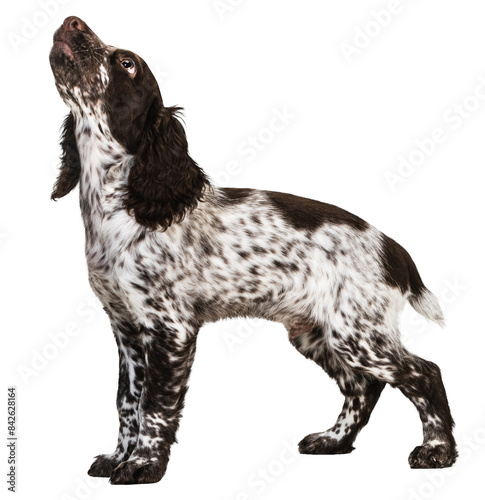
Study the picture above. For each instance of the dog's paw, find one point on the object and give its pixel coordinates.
(104, 465)
(138, 471)
(433, 457)
(321, 444)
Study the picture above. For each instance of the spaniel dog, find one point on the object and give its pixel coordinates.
(168, 252)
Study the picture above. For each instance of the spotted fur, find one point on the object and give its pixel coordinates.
(168, 252)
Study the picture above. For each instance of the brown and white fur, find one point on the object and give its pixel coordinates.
(168, 252)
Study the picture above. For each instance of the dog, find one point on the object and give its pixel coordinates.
(168, 252)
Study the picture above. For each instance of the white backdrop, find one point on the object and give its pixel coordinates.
(384, 116)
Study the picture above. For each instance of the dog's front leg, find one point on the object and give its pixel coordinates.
(130, 383)
(169, 350)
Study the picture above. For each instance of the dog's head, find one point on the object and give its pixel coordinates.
(92, 75)
(109, 87)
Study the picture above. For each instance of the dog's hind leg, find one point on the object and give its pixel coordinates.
(381, 355)
(361, 395)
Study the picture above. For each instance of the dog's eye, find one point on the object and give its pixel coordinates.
(129, 65)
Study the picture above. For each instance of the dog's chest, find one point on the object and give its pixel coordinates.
(129, 264)
(115, 243)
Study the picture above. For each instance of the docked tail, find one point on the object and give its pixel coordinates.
(425, 303)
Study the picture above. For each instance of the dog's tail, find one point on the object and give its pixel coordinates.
(402, 272)
(422, 300)
(427, 304)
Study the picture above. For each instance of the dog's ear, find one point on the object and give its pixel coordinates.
(164, 183)
(70, 169)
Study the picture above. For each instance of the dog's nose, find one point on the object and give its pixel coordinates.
(73, 23)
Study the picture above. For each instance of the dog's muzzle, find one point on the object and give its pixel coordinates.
(76, 55)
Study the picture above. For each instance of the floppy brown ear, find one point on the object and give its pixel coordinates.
(164, 182)
(70, 169)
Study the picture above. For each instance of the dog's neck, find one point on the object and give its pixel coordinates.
(102, 157)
